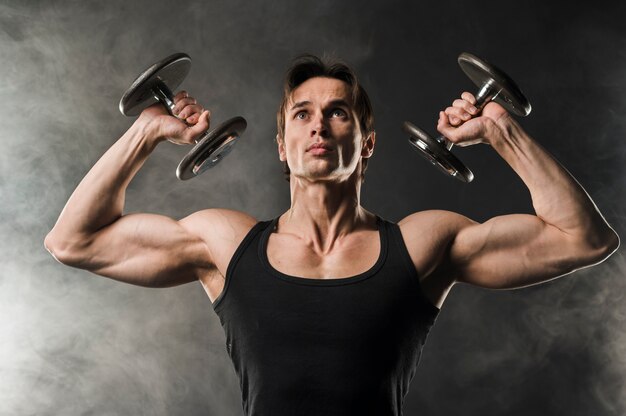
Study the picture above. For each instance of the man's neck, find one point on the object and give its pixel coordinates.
(323, 212)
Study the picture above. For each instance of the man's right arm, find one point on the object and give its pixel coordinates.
(145, 249)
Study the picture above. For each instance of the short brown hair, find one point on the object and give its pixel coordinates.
(309, 66)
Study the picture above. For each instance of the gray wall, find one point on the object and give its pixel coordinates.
(73, 343)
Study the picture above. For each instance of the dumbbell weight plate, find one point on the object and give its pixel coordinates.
(211, 148)
(171, 71)
(482, 73)
(436, 153)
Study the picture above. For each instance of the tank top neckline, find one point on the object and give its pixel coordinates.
(309, 281)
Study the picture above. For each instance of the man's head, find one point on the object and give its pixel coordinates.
(309, 87)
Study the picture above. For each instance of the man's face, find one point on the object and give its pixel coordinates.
(320, 113)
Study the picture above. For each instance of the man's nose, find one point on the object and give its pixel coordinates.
(318, 126)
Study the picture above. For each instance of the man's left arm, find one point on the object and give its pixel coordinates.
(567, 233)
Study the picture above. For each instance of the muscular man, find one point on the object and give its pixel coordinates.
(326, 307)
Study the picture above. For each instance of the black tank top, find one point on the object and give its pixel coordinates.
(301, 346)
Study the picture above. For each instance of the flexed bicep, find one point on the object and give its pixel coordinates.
(143, 249)
(513, 251)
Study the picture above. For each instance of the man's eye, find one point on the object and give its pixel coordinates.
(338, 113)
(301, 115)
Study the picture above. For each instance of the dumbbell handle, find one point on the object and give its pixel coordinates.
(164, 95)
(486, 94)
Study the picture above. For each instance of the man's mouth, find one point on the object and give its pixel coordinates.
(318, 148)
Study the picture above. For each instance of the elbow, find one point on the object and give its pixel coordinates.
(63, 250)
(611, 243)
(56, 247)
(601, 247)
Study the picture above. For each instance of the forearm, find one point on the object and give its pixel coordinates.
(558, 199)
(99, 198)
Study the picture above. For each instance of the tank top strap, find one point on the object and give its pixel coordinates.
(245, 243)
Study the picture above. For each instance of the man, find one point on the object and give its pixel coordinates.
(326, 307)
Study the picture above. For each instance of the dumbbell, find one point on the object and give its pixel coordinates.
(493, 85)
(156, 84)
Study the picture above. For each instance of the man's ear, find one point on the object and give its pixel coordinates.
(368, 145)
(281, 148)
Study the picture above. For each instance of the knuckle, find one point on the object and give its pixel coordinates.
(470, 97)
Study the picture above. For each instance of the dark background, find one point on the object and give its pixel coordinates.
(77, 344)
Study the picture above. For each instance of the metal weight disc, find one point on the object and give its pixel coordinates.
(211, 148)
(437, 154)
(171, 71)
(481, 73)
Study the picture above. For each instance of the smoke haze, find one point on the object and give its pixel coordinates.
(73, 343)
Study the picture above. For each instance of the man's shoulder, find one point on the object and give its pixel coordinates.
(222, 230)
(219, 222)
(434, 215)
(435, 221)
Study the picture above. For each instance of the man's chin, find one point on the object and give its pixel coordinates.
(321, 176)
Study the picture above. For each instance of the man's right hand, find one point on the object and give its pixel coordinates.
(190, 121)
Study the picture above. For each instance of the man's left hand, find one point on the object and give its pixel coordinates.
(463, 124)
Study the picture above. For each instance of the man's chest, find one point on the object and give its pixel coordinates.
(350, 257)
